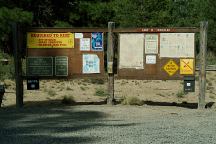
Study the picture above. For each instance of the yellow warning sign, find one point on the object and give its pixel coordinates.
(50, 40)
(171, 67)
(186, 66)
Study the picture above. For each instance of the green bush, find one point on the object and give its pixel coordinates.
(181, 94)
(132, 101)
(51, 92)
(68, 100)
(100, 92)
(211, 58)
(99, 81)
(6, 70)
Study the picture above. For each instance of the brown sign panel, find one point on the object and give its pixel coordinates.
(156, 55)
(72, 66)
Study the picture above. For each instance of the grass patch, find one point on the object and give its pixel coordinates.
(84, 84)
(209, 87)
(83, 88)
(99, 81)
(196, 78)
(51, 92)
(68, 88)
(181, 94)
(212, 96)
(211, 58)
(67, 99)
(132, 101)
(210, 84)
(159, 94)
(100, 92)
(124, 82)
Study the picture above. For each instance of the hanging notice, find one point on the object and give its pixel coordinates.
(97, 41)
(78, 35)
(177, 45)
(150, 59)
(91, 63)
(85, 44)
(151, 43)
(39, 66)
(131, 51)
(50, 40)
(61, 66)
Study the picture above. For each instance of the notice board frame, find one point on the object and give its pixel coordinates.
(154, 72)
(74, 54)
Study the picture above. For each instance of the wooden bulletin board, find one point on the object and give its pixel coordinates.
(156, 53)
(69, 56)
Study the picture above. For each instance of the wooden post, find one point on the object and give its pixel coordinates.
(18, 65)
(202, 72)
(110, 55)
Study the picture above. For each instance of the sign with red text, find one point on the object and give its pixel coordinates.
(50, 40)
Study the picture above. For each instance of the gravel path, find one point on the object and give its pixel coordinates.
(107, 125)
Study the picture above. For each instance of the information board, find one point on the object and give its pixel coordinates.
(61, 66)
(39, 66)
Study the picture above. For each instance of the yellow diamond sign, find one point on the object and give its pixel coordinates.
(171, 67)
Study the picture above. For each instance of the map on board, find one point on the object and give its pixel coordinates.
(177, 45)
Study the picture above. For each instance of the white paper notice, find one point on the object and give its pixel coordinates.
(150, 59)
(78, 35)
(85, 44)
(177, 45)
(131, 51)
(91, 63)
(188, 84)
(151, 43)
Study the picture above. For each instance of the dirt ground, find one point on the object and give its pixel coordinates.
(89, 90)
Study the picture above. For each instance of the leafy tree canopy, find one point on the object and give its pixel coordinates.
(97, 13)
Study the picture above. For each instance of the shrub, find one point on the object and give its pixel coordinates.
(180, 94)
(100, 92)
(82, 88)
(51, 92)
(68, 88)
(6, 70)
(68, 100)
(132, 101)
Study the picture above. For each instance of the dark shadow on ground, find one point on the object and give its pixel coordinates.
(183, 104)
(49, 122)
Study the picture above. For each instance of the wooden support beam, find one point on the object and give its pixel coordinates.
(202, 73)
(18, 65)
(110, 57)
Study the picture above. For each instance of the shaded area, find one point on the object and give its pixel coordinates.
(49, 122)
(183, 104)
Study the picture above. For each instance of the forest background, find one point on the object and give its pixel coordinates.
(97, 13)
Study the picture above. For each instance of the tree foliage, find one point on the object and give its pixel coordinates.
(97, 13)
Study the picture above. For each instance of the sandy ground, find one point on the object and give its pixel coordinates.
(84, 90)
